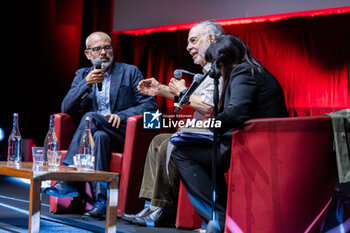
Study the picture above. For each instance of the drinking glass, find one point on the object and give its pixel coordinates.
(38, 156)
(54, 158)
(84, 162)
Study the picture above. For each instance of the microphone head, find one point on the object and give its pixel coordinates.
(220, 58)
(97, 63)
(197, 77)
(177, 74)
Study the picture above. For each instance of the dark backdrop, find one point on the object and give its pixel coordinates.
(41, 50)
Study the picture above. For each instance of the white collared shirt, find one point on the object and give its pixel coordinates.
(206, 90)
(103, 96)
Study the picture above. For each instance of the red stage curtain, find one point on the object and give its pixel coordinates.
(310, 56)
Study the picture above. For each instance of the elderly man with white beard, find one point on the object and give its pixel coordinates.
(157, 187)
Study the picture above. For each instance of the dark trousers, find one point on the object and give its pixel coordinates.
(106, 138)
(194, 164)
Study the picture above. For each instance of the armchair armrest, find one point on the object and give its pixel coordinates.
(64, 128)
(136, 145)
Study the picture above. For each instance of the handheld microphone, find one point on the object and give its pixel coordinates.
(178, 73)
(98, 65)
(197, 80)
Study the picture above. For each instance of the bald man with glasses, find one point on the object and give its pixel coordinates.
(108, 107)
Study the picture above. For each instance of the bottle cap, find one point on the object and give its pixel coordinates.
(87, 118)
(15, 114)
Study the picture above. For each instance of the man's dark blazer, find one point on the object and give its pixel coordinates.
(125, 99)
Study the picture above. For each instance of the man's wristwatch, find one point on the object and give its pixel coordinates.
(183, 92)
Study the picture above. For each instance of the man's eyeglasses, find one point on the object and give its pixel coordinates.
(98, 49)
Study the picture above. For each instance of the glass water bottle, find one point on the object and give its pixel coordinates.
(14, 150)
(87, 143)
(50, 142)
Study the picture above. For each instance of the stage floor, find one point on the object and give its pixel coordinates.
(14, 194)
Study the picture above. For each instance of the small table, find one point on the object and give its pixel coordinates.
(38, 174)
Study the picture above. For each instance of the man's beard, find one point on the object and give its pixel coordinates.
(198, 60)
(106, 65)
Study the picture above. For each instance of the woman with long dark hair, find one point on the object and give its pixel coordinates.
(249, 91)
